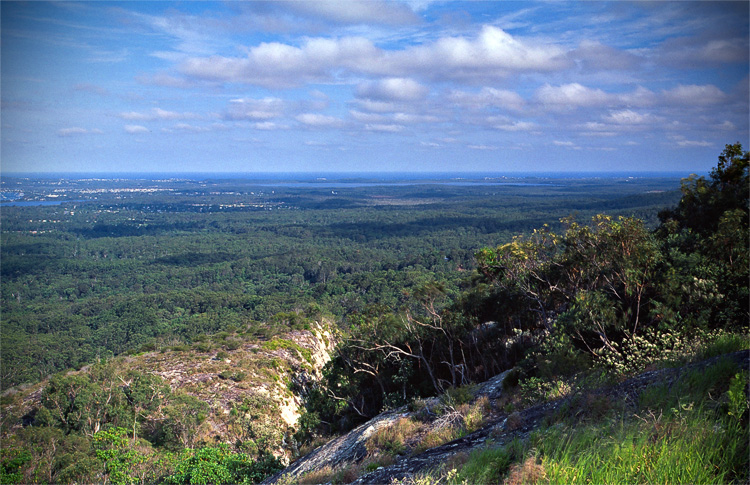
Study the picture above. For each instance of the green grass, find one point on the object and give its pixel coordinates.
(690, 446)
(490, 465)
(726, 343)
(694, 431)
(694, 386)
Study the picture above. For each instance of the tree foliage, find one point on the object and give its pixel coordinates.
(608, 291)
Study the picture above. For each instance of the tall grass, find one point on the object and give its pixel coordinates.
(489, 465)
(690, 447)
(693, 431)
(682, 434)
(725, 343)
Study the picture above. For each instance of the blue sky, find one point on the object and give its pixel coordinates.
(370, 85)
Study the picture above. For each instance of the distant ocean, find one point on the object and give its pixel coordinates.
(345, 177)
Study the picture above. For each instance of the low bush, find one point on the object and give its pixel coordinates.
(393, 437)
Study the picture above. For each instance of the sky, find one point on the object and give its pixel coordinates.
(372, 85)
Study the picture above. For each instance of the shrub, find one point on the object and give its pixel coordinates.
(536, 389)
(12, 463)
(421, 410)
(438, 436)
(217, 465)
(639, 352)
(232, 344)
(737, 396)
(456, 396)
(203, 346)
(474, 414)
(512, 378)
(526, 473)
(514, 421)
(392, 438)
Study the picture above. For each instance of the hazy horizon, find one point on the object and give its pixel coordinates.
(396, 175)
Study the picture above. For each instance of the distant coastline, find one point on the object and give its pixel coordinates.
(345, 177)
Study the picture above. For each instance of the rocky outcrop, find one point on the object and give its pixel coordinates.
(345, 449)
(499, 428)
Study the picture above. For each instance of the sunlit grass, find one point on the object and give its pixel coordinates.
(693, 431)
(688, 447)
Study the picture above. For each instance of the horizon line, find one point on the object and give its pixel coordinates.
(483, 173)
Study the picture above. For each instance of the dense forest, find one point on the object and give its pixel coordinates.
(432, 288)
(134, 263)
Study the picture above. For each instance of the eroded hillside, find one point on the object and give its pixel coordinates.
(226, 388)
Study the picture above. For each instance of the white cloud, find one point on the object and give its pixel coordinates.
(488, 97)
(482, 147)
(414, 118)
(76, 130)
(319, 101)
(135, 129)
(566, 144)
(109, 57)
(191, 128)
(156, 114)
(515, 126)
(255, 109)
(694, 95)
(641, 97)
(393, 89)
(572, 95)
(376, 106)
(392, 118)
(165, 80)
(630, 117)
(691, 51)
(594, 55)
(367, 117)
(595, 128)
(384, 128)
(491, 54)
(683, 142)
(269, 126)
(318, 120)
(277, 65)
(190, 34)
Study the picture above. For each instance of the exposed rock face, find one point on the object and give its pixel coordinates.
(350, 448)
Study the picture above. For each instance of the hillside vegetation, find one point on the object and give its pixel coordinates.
(194, 328)
(574, 310)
